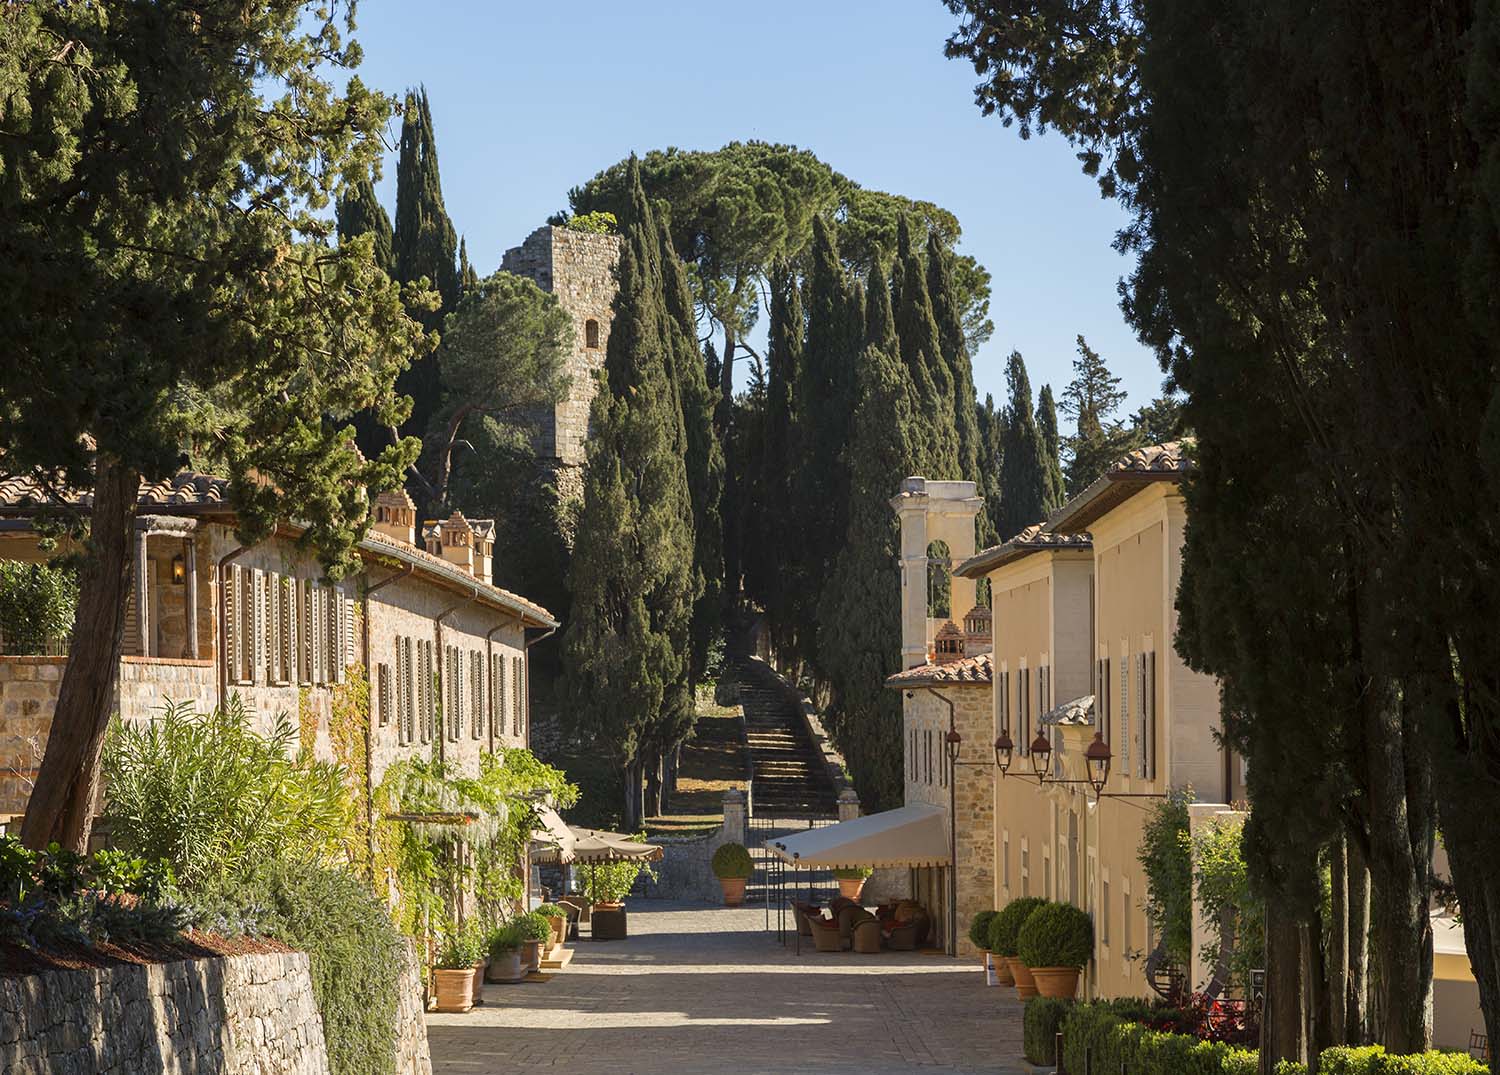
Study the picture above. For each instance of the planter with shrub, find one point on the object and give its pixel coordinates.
(852, 881)
(996, 971)
(505, 955)
(1003, 930)
(733, 866)
(1055, 942)
(557, 918)
(535, 930)
(459, 961)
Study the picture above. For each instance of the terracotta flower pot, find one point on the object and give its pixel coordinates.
(1060, 983)
(851, 887)
(531, 953)
(505, 966)
(1003, 976)
(1025, 983)
(454, 989)
(559, 931)
(734, 890)
(479, 982)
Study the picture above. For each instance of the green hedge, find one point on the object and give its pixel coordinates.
(1113, 1043)
(1373, 1060)
(1042, 1020)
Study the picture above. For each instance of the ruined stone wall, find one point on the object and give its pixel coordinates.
(579, 268)
(253, 1014)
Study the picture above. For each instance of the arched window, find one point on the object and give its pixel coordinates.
(939, 582)
(591, 334)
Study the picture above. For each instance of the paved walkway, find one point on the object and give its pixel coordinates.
(703, 989)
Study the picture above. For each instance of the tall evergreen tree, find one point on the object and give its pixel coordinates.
(859, 636)
(948, 314)
(1046, 422)
(359, 212)
(926, 368)
(823, 406)
(424, 246)
(626, 649)
(1091, 400)
(991, 425)
(468, 278)
(1027, 494)
(705, 457)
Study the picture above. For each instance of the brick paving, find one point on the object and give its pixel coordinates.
(697, 988)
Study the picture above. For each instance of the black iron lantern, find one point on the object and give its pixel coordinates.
(1004, 748)
(1098, 757)
(954, 743)
(1041, 751)
(179, 570)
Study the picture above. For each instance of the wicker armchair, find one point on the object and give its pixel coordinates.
(849, 915)
(911, 934)
(804, 911)
(867, 935)
(825, 934)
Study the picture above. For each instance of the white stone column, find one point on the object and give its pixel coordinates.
(848, 804)
(733, 829)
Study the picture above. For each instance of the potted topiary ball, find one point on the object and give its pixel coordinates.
(505, 955)
(852, 880)
(1054, 942)
(733, 866)
(1003, 930)
(996, 971)
(535, 930)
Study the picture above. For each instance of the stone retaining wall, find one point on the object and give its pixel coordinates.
(253, 1014)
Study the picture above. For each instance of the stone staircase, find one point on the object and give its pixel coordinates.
(789, 779)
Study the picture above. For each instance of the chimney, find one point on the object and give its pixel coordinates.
(979, 625)
(396, 516)
(484, 548)
(948, 644)
(456, 541)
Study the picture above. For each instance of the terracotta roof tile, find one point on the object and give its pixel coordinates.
(1033, 539)
(1155, 459)
(183, 490)
(438, 566)
(979, 669)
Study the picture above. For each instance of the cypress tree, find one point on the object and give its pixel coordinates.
(1046, 421)
(991, 423)
(704, 457)
(626, 648)
(823, 407)
(948, 314)
(424, 246)
(468, 279)
(1026, 493)
(859, 638)
(359, 212)
(922, 354)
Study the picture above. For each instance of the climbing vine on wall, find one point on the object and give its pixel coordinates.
(348, 719)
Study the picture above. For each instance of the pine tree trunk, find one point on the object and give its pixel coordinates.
(1338, 943)
(1357, 1017)
(61, 804)
(1283, 1031)
(652, 803)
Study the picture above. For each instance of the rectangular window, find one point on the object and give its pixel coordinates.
(1124, 708)
(258, 619)
(425, 699)
(1142, 718)
(476, 694)
(1151, 740)
(1103, 702)
(1025, 868)
(288, 631)
(523, 673)
(273, 628)
(319, 637)
(515, 686)
(232, 641)
(346, 638)
(333, 602)
(1104, 915)
(1005, 859)
(1023, 711)
(403, 691)
(304, 632)
(1125, 928)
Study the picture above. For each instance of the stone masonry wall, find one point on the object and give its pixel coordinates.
(251, 1014)
(685, 871)
(28, 697)
(579, 268)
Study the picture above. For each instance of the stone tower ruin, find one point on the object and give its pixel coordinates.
(579, 268)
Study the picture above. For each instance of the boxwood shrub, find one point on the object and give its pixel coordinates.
(979, 929)
(1005, 925)
(1111, 1042)
(1039, 1024)
(1374, 1060)
(1055, 935)
(732, 861)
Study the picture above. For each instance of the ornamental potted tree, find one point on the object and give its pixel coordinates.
(733, 866)
(852, 881)
(1054, 942)
(505, 955)
(535, 930)
(459, 960)
(996, 971)
(557, 918)
(1003, 930)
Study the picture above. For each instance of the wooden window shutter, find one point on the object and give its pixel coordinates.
(1125, 708)
(349, 648)
(257, 624)
(476, 694)
(1151, 714)
(231, 612)
(515, 670)
(274, 633)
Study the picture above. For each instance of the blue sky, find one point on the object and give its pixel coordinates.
(531, 99)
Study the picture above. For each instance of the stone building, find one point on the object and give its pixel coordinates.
(579, 268)
(210, 617)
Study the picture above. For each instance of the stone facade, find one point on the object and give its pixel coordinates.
(579, 268)
(972, 792)
(28, 696)
(251, 1014)
(412, 1056)
(685, 871)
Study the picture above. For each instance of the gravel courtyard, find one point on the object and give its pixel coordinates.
(704, 989)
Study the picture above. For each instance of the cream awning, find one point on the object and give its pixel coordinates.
(912, 835)
(597, 845)
(552, 837)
